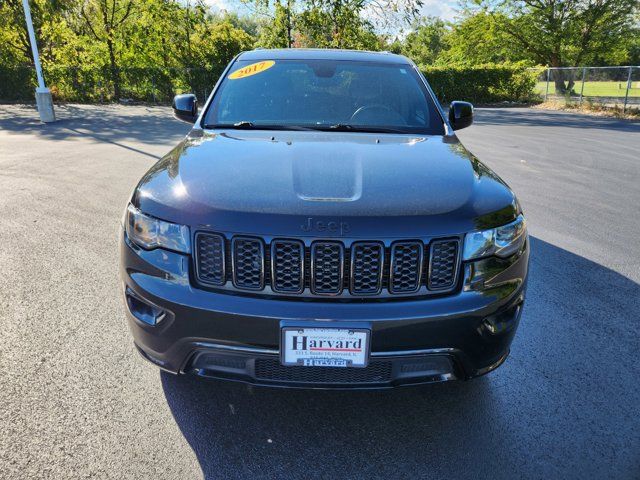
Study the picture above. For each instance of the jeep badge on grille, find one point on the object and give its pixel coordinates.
(332, 226)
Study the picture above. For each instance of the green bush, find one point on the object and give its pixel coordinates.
(17, 83)
(146, 84)
(479, 84)
(482, 83)
(95, 84)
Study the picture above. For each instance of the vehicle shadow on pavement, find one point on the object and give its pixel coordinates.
(239, 431)
(546, 412)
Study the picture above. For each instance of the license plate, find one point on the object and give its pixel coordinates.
(325, 347)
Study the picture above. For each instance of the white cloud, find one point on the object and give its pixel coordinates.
(397, 26)
(444, 9)
(217, 5)
(234, 6)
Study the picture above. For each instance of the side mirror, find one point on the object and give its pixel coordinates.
(185, 107)
(460, 115)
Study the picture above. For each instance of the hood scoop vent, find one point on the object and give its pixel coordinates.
(328, 179)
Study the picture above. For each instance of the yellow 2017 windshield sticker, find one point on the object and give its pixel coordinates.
(252, 69)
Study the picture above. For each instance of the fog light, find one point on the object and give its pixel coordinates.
(503, 322)
(142, 310)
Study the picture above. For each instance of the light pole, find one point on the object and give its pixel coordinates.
(43, 95)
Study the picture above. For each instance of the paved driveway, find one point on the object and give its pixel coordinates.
(77, 402)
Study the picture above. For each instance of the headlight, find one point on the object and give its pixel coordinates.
(501, 241)
(149, 232)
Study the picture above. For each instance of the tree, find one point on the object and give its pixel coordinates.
(215, 44)
(477, 39)
(248, 23)
(335, 25)
(48, 22)
(278, 33)
(628, 52)
(105, 20)
(332, 23)
(562, 33)
(427, 41)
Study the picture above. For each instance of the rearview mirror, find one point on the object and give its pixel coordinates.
(185, 107)
(460, 114)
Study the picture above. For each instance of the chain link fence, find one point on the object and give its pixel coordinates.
(610, 86)
(103, 85)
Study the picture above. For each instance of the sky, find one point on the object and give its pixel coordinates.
(444, 9)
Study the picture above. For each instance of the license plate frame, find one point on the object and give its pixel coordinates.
(326, 355)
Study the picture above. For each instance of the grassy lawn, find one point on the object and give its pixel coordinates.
(595, 89)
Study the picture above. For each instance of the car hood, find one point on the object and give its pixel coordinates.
(281, 182)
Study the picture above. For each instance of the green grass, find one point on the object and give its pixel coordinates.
(595, 89)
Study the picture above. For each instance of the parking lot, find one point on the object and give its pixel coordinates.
(78, 402)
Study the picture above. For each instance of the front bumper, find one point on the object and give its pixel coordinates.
(236, 337)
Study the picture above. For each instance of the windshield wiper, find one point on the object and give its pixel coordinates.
(346, 127)
(238, 125)
(338, 127)
(246, 125)
(341, 127)
(243, 124)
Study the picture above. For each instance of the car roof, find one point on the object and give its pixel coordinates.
(323, 54)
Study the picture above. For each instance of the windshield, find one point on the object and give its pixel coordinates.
(324, 95)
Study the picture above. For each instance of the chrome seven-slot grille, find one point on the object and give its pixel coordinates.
(326, 267)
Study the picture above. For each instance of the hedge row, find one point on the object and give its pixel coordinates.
(479, 84)
(96, 85)
(17, 83)
(482, 83)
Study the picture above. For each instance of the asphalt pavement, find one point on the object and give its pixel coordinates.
(76, 401)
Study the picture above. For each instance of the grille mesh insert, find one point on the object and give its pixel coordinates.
(327, 270)
(406, 263)
(271, 369)
(248, 263)
(443, 264)
(366, 268)
(287, 261)
(210, 254)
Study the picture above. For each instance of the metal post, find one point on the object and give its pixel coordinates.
(43, 95)
(289, 40)
(584, 71)
(546, 94)
(626, 96)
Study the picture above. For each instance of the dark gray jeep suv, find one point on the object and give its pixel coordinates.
(321, 226)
